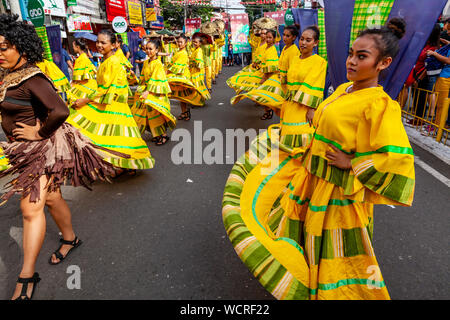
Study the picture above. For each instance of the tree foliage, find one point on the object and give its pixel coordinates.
(174, 13)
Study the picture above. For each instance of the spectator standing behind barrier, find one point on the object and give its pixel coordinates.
(442, 86)
(445, 36)
(421, 79)
(230, 55)
(124, 47)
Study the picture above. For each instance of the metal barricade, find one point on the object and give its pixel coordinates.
(419, 108)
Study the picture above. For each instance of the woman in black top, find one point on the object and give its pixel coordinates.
(42, 150)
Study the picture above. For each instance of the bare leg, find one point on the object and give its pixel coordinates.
(33, 234)
(61, 215)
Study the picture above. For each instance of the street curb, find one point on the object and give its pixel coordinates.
(437, 149)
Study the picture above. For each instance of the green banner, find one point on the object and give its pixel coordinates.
(42, 33)
(71, 3)
(36, 12)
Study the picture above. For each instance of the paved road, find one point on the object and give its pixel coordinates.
(160, 235)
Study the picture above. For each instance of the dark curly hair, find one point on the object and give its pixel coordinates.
(23, 36)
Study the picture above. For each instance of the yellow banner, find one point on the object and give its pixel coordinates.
(135, 13)
(150, 14)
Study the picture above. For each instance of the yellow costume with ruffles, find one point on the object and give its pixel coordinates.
(250, 80)
(53, 72)
(273, 92)
(153, 112)
(303, 226)
(108, 121)
(179, 79)
(197, 67)
(206, 48)
(84, 81)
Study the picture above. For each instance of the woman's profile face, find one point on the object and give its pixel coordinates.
(288, 38)
(181, 43)
(9, 56)
(197, 42)
(270, 39)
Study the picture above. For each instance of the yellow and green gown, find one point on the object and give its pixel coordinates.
(304, 227)
(220, 43)
(153, 112)
(59, 79)
(248, 81)
(273, 92)
(131, 76)
(197, 70)
(84, 81)
(179, 78)
(108, 122)
(234, 81)
(206, 48)
(255, 43)
(213, 60)
(305, 84)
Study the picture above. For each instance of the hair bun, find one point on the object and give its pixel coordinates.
(397, 26)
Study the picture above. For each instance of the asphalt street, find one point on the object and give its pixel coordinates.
(160, 235)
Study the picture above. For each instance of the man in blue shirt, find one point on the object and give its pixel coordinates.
(124, 47)
(66, 63)
(140, 58)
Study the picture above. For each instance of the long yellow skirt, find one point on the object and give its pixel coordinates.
(184, 90)
(269, 94)
(245, 81)
(298, 235)
(112, 126)
(80, 90)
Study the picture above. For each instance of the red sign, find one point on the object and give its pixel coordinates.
(115, 8)
(278, 16)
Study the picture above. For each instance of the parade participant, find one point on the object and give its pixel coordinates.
(235, 82)
(197, 66)
(206, 48)
(105, 116)
(43, 151)
(268, 65)
(50, 69)
(315, 232)
(179, 79)
(151, 107)
(274, 92)
(84, 81)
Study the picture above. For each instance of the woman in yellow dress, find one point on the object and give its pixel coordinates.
(84, 81)
(206, 48)
(303, 222)
(251, 71)
(151, 107)
(273, 92)
(179, 79)
(197, 66)
(59, 79)
(105, 117)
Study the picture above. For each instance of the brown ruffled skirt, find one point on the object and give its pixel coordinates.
(66, 158)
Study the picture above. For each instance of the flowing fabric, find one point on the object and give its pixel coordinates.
(108, 120)
(153, 112)
(180, 83)
(273, 92)
(304, 227)
(84, 81)
(249, 80)
(53, 72)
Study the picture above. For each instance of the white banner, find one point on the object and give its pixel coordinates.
(55, 8)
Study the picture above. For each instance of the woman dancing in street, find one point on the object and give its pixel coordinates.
(307, 217)
(42, 150)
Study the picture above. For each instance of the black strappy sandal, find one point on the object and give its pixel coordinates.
(25, 281)
(267, 115)
(185, 116)
(75, 244)
(162, 140)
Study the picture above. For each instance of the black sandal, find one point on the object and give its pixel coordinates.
(162, 140)
(185, 116)
(267, 115)
(75, 244)
(25, 281)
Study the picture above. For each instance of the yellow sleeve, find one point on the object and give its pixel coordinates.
(270, 60)
(83, 69)
(157, 83)
(384, 159)
(179, 63)
(310, 90)
(112, 83)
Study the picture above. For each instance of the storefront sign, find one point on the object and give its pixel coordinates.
(115, 8)
(135, 13)
(76, 22)
(36, 13)
(239, 33)
(119, 24)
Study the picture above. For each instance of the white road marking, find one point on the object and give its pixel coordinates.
(16, 233)
(432, 171)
